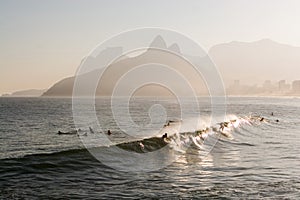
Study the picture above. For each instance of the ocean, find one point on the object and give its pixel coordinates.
(255, 155)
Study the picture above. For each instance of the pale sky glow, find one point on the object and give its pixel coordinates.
(42, 42)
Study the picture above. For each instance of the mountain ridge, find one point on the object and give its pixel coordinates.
(250, 62)
(26, 93)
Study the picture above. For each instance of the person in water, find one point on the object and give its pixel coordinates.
(141, 145)
(108, 132)
(222, 126)
(167, 124)
(165, 136)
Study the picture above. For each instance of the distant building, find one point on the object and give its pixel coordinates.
(236, 84)
(267, 85)
(296, 86)
(283, 86)
(235, 87)
(269, 88)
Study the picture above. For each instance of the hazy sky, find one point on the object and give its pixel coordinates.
(42, 42)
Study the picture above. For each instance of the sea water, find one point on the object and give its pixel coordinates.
(261, 159)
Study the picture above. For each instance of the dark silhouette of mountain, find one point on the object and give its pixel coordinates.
(249, 62)
(26, 93)
(61, 88)
(64, 87)
(116, 70)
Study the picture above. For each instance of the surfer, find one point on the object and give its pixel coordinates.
(277, 120)
(199, 132)
(108, 132)
(222, 126)
(262, 119)
(67, 133)
(165, 136)
(141, 145)
(272, 114)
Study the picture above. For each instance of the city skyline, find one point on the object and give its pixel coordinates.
(268, 87)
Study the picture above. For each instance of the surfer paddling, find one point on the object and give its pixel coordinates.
(67, 133)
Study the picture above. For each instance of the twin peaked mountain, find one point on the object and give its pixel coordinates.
(159, 42)
(114, 72)
(249, 62)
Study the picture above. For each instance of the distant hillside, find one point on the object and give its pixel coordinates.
(249, 62)
(61, 88)
(26, 93)
(116, 70)
(254, 62)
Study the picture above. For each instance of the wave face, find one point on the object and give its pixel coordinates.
(251, 158)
